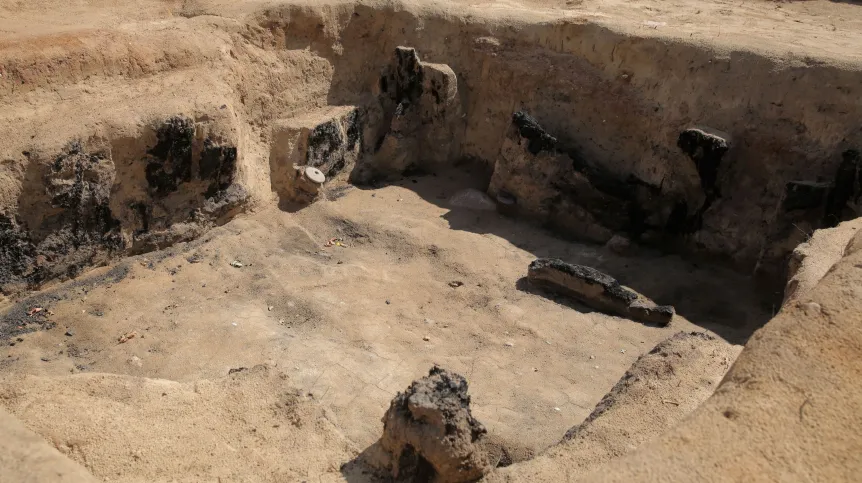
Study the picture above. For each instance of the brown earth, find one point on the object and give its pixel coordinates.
(27, 457)
(657, 392)
(173, 310)
(811, 260)
(535, 366)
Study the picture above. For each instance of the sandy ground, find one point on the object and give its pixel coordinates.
(349, 326)
(27, 457)
(816, 29)
(281, 369)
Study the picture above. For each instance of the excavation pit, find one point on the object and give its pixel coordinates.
(311, 205)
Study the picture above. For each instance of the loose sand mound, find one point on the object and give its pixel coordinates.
(655, 394)
(26, 457)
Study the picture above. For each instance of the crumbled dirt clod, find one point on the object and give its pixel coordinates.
(530, 129)
(705, 147)
(430, 434)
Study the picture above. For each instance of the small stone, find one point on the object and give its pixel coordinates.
(592, 357)
(622, 351)
(472, 199)
(429, 321)
(69, 332)
(430, 430)
(456, 283)
(426, 338)
(505, 198)
(236, 264)
(269, 308)
(557, 409)
(388, 302)
(45, 359)
(811, 309)
(509, 344)
(597, 367)
(619, 245)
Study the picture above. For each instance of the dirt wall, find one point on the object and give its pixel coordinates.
(615, 102)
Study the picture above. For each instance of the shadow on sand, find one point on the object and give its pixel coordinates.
(712, 296)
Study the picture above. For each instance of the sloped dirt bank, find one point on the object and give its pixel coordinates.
(654, 395)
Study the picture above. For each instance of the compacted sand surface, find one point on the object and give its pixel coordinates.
(408, 281)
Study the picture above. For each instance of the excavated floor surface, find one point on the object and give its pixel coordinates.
(261, 352)
(348, 324)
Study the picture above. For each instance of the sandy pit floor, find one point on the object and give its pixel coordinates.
(410, 281)
(417, 282)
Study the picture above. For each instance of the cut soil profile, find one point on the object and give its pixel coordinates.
(230, 228)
